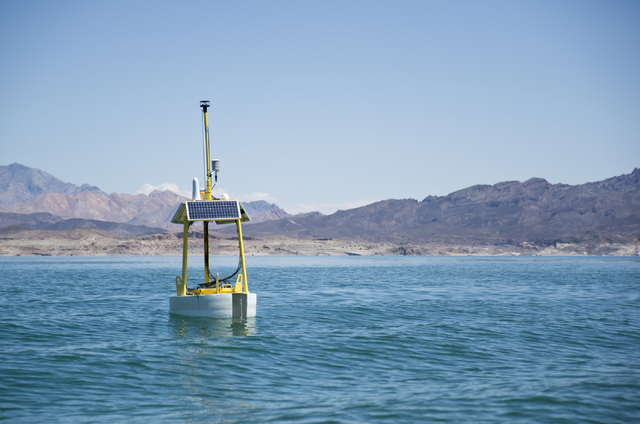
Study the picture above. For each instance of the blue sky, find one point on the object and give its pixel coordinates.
(321, 105)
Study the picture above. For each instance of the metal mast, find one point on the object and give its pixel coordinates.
(204, 104)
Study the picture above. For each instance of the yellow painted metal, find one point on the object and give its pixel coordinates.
(244, 268)
(241, 285)
(178, 284)
(226, 288)
(182, 289)
(238, 287)
(205, 225)
(206, 135)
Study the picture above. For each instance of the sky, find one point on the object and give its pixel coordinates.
(321, 105)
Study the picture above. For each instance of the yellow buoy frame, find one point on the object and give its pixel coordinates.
(245, 288)
(241, 285)
(182, 287)
(181, 283)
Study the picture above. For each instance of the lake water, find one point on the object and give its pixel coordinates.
(336, 340)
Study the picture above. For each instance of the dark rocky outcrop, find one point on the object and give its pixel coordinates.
(45, 221)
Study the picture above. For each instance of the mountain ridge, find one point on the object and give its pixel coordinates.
(41, 192)
(506, 212)
(533, 211)
(20, 184)
(49, 222)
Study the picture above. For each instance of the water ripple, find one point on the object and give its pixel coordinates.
(344, 340)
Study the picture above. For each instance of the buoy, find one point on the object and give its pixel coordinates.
(213, 297)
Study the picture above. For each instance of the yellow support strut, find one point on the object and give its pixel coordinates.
(244, 268)
(182, 287)
(204, 106)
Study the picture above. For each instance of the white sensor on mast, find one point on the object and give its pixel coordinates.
(215, 167)
(195, 190)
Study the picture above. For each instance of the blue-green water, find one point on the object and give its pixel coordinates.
(344, 340)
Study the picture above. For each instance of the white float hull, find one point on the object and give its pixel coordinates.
(224, 305)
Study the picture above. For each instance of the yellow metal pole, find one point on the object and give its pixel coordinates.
(182, 290)
(245, 286)
(205, 224)
(205, 104)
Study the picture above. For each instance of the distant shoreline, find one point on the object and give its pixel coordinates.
(95, 242)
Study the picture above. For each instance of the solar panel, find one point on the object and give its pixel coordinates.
(213, 209)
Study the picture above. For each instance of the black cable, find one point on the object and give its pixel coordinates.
(226, 279)
(212, 280)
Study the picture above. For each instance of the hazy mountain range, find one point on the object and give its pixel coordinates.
(533, 211)
(34, 198)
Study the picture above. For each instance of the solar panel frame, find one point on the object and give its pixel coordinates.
(213, 210)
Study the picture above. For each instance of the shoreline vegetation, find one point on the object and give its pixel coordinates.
(23, 241)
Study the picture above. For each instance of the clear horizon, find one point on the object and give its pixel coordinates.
(321, 105)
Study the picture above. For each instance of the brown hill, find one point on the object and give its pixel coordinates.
(25, 190)
(154, 210)
(21, 184)
(30, 191)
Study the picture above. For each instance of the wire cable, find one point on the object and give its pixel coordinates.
(225, 280)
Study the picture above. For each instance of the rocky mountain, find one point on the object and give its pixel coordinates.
(30, 191)
(21, 184)
(154, 210)
(533, 211)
